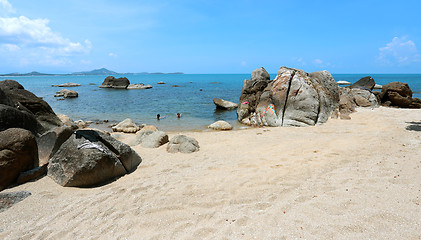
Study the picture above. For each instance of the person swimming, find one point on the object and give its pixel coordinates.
(158, 116)
(178, 115)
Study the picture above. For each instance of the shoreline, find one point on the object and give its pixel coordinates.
(344, 179)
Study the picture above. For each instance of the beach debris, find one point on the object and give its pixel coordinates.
(150, 139)
(66, 93)
(220, 125)
(126, 126)
(183, 144)
(398, 94)
(112, 82)
(7, 200)
(69, 84)
(224, 105)
(77, 163)
(18, 153)
(293, 98)
(139, 86)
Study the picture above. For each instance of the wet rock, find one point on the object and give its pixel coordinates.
(112, 82)
(224, 105)
(66, 93)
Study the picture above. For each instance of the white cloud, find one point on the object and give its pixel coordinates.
(31, 41)
(112, 54)
(4, 4)
(11, 47)
(400, 51)
(25, 32)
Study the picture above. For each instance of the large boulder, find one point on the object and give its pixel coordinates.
(50, 142)
(183, 144)
(112, 82)
(293, 98)
(89, 158)
(223, 104)
(27, 101)
(12, 117)
(127, 126)
(364, 83)
(398, 94)
(66, 93)
(18, 153)
(150, 139)
(220, 125)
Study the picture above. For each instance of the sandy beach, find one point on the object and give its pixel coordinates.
(345, 179)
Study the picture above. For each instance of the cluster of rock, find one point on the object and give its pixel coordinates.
(66, 93)
(398, 94)
(35, 141)
(122, 83)
(293, 98)
(149, 136)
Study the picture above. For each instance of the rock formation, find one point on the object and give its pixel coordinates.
(293, 98)
(183, 144)
(18, 153)
(224, 105)
(112, 82)
(220, 125)
(26, 101)
(127, 126)
(91, 157)
(66, 93)
(398, 94)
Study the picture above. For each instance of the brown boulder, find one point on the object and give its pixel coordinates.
(112, 82)
(398, 94)
(18, 153)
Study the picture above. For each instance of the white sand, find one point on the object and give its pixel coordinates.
(355, 179)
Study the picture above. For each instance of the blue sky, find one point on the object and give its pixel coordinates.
(201, 36)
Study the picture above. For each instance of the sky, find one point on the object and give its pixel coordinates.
(204, 36)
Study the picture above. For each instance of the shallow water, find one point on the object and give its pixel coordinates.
(192, 98)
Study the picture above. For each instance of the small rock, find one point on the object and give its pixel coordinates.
(67, 85)
(127, 126)
(183, 144)
(220, 125)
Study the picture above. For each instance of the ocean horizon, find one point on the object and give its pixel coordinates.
(189, 94)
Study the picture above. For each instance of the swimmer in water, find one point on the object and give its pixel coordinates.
(178, 115)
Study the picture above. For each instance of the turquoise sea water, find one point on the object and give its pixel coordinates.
(193, 97)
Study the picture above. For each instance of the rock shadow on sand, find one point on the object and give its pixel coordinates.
(415, 126)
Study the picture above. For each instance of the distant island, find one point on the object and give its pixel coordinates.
(101, 71)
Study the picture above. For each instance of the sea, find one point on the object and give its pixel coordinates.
(191, 95)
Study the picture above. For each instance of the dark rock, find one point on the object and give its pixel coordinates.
(32, 174)
(294, 98)
(398, 94)
(89, 158)
(18, 153)
(27, 101)
(223, 104)
(7, 200)
(183, 144)
(11, 117)
(112, 82)
(364, 83)
(50, 142)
